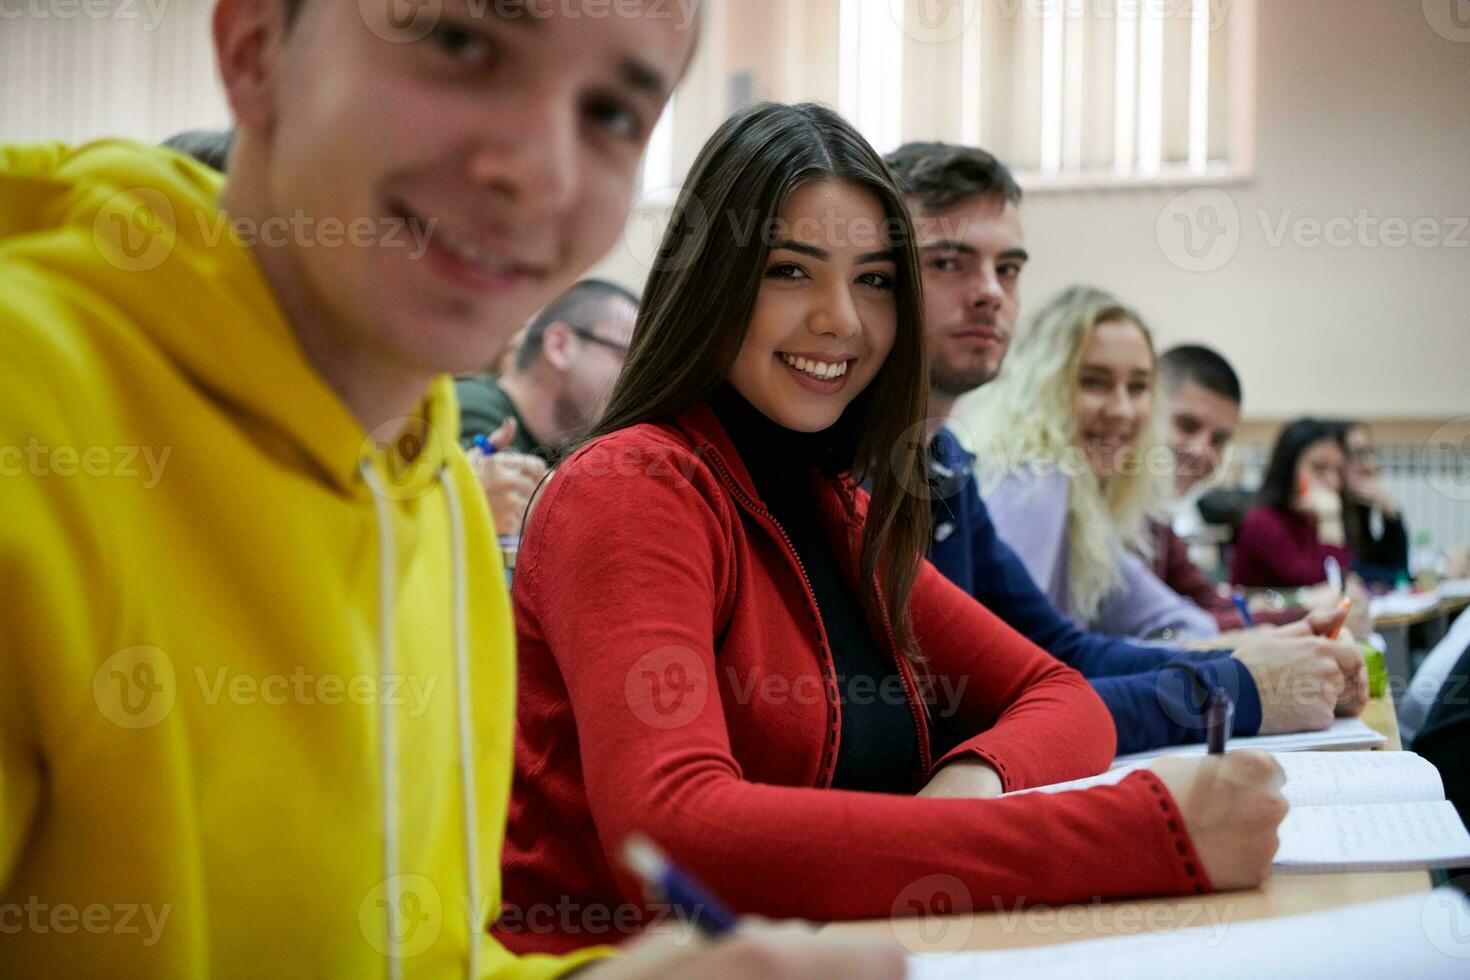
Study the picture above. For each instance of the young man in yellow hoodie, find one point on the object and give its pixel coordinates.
(256, 659)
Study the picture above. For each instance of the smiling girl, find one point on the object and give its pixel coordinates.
(1074, 465)
(727, 646)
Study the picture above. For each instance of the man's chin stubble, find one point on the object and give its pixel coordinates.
(959, 384)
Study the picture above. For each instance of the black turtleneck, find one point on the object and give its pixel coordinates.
(879, 749)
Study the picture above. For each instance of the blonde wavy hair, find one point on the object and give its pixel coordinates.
(1026, 421)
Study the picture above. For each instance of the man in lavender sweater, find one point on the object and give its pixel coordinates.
(966, 210)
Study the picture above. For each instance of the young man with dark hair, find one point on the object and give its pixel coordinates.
(966, 212)
(257, 667)
(1203, 397)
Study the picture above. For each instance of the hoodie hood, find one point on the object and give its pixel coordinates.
(153, 215)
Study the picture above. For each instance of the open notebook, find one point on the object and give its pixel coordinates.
(1425, 936)
(1345, 733)
(1351, 811)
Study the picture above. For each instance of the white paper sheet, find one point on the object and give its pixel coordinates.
(1345, 733)
(1425, 936)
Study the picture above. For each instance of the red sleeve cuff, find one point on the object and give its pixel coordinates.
(1163, 808)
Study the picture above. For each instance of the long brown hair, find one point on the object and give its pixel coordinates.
(701, 294)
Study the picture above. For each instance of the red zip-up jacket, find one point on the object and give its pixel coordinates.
(675, 680)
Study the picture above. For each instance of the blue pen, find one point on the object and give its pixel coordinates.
(485, 446)
(666, 882)
(1243, 607)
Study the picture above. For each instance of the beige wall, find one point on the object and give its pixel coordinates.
(1362, 107)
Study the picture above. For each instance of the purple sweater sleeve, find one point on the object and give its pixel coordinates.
(1146, 607)
(1029, 511)
(1030, 514)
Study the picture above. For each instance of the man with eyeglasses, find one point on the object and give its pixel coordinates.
(562, 375)
(556, 386)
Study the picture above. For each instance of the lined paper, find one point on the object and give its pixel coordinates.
(1372, 837)
(1331, 778)
(1317, 778)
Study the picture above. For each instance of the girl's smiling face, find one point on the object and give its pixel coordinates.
(826, 314)
(1114, 394)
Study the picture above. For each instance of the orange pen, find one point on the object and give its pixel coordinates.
(1334, 625)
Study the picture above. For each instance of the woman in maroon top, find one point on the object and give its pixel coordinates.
(727, 646)
(1297, 525)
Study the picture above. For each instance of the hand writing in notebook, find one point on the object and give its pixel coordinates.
(1232, 806)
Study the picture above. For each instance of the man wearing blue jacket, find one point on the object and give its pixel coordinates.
(965, 205)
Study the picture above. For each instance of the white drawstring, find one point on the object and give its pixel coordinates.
(388, 732)
(389, 736)
(466, 724)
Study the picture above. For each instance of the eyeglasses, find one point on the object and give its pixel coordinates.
(588, 335)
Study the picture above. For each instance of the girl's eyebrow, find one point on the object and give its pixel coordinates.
(884, 255)
(802, 248)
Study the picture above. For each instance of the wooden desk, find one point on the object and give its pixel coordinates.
(1010, 928)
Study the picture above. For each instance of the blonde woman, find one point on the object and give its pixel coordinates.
(1073, 465)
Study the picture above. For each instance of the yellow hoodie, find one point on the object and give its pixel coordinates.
(256, 671)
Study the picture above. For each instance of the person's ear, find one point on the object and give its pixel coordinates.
(557, 345)
(248, 35)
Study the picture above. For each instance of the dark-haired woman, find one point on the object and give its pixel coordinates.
(728, 647)
(1297, 523)
(1374, 525)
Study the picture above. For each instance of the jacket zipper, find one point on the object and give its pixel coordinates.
(828, 765)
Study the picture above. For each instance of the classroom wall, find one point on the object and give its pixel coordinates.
(74, 71)
(1362, 107)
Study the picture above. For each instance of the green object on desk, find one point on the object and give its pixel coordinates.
(1377, 671)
